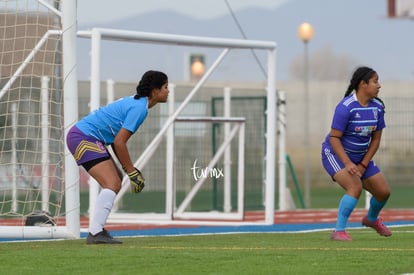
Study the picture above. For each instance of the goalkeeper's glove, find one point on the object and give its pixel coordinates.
(136, 180)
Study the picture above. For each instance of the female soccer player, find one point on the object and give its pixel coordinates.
(349, 148)
(113, 125)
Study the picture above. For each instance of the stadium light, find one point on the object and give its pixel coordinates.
(305, 33)
(197, 66)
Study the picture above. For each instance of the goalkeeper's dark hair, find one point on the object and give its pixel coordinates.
(361, 74)
(149, 81)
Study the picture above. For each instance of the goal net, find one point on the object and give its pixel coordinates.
(32, 152)
(39, 187)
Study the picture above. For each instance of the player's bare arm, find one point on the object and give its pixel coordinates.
(121, 150)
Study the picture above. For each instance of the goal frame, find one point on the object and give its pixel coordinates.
(96, 35)
(68, 33)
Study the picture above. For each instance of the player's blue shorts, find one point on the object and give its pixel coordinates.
(333, 164)
(85, 149)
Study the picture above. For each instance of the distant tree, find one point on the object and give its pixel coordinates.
(324, 65)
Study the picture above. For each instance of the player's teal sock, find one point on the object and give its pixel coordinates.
(346, 206)
(374, 209)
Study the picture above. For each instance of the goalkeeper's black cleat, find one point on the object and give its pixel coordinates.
(102, 237)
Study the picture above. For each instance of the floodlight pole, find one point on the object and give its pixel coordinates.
(305, 33)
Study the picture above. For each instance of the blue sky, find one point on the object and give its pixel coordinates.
(104, 11)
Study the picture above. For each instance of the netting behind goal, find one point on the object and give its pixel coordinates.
(31, 119)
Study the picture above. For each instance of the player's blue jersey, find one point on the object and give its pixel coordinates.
(105, 122)
(357, 123)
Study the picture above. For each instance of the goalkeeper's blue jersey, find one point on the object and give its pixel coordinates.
(105, 122)
(357, 123)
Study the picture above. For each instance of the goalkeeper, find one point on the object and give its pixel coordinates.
(113, 125)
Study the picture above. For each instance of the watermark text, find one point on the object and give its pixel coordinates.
(199, 172)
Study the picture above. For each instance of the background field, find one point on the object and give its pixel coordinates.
(266, 253)
(322, 198)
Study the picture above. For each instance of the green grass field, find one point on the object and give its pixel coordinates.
(261, 253)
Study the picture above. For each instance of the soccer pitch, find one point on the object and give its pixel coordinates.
(249, 253)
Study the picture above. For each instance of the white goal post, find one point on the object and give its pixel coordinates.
(96, 35)
(39, 96)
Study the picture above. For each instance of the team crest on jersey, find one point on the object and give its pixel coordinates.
(375, 113)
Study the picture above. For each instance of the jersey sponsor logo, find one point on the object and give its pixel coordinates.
(365, 130)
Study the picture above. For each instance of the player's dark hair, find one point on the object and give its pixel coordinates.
(360, 74)
(149, 81)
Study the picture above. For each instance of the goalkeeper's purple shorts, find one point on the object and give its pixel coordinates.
(333, 164)
(85, 149)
